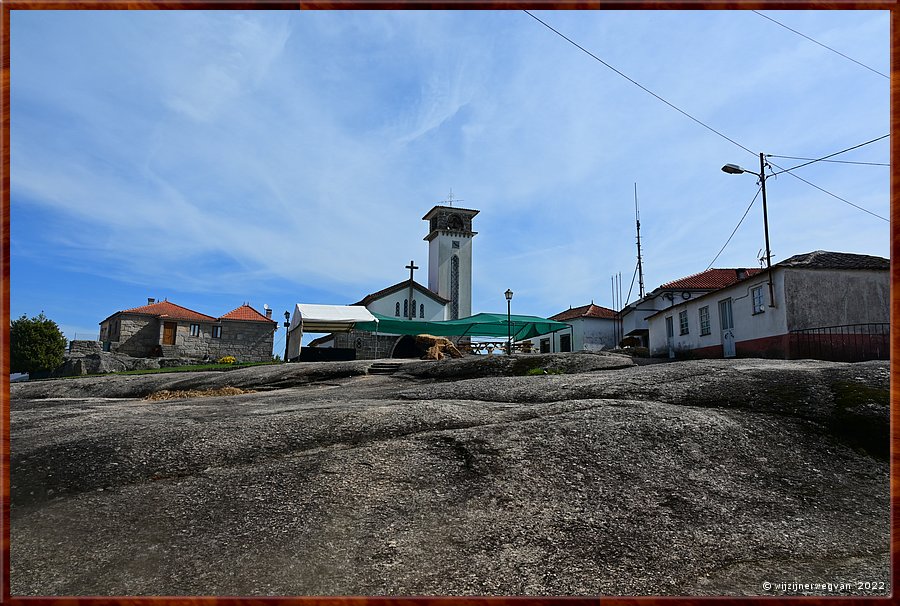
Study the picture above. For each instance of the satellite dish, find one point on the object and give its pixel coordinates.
(265, 306)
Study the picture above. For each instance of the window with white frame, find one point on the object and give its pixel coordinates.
(683, 322)
(195, 330)
(217, 332)
(757, 295)
(704, 320)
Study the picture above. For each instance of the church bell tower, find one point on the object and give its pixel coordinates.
(450, 257)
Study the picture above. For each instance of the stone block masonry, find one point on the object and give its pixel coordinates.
(85, 347)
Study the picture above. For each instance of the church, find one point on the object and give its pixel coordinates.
(447, 297)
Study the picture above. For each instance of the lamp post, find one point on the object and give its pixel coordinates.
(734, 169)
(509, 295)
(287, 323)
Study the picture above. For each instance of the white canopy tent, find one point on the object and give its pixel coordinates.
(323, 318)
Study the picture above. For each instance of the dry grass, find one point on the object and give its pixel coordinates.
(165, 394)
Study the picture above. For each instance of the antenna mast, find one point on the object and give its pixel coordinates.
(637, 219)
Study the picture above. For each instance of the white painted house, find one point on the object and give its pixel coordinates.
(635, 327)
(592, 329)
(823, 304)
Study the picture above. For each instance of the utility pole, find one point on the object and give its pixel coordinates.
(637, 219)
(762, 178)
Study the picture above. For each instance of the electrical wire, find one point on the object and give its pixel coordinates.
(641, 86)
(822, 45)
(735, 228)
(628, 298)
(823, 160)
(829, 155)
(833, 195)
(681, 111)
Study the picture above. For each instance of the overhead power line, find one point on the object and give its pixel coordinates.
(681, 111)
(735, 228)
(822, 160)
(828, 156)
(822, 45)
(865, 210)
(639, 85)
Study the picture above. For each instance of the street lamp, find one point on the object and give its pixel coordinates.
(287, 323)
(509, 295)
(734, 169)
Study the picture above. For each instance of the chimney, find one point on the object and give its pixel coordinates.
(269, 313)
(741, 274)
(150, 300)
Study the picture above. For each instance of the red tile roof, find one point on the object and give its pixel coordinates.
(711, 279)
(170, 310)
(247, 314)
(585, 311)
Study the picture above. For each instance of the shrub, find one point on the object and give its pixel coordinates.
(35, 344)
(227, 360)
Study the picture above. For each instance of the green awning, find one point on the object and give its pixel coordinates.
(479, 325)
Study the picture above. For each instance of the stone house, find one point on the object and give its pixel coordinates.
(821, 305)
(165, 329)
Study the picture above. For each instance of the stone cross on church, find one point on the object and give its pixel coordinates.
(411, 267)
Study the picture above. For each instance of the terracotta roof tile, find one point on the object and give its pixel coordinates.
(711, 279)
(246, 314)
(169, 310)
(585, 311)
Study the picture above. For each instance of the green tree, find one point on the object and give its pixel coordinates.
(35, 344)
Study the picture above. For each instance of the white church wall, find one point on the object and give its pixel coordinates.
(387, 306)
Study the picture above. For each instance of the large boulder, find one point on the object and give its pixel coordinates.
(101, 363)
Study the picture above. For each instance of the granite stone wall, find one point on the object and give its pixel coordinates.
(85, 347)
(365, 344)
(246, 341)
(138, 336)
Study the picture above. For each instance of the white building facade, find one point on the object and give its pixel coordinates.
(592, 329)
(826, 305)
(635, 327)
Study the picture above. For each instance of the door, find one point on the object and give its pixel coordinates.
(565, 343)
(169, 333)
(670, 336)
(726, 322)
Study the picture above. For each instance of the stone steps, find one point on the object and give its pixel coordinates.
(384, 368)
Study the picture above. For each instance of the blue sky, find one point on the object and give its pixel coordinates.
(216, 158)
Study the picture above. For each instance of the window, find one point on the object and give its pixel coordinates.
(757, 295)
(545, 345)
(397, 309)
(421, 310)
(565, 343)
(414, 308)
(683, 322)
(405, 308)
(455, 244)
(195, 330)
(217, 332)
(704, 320)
